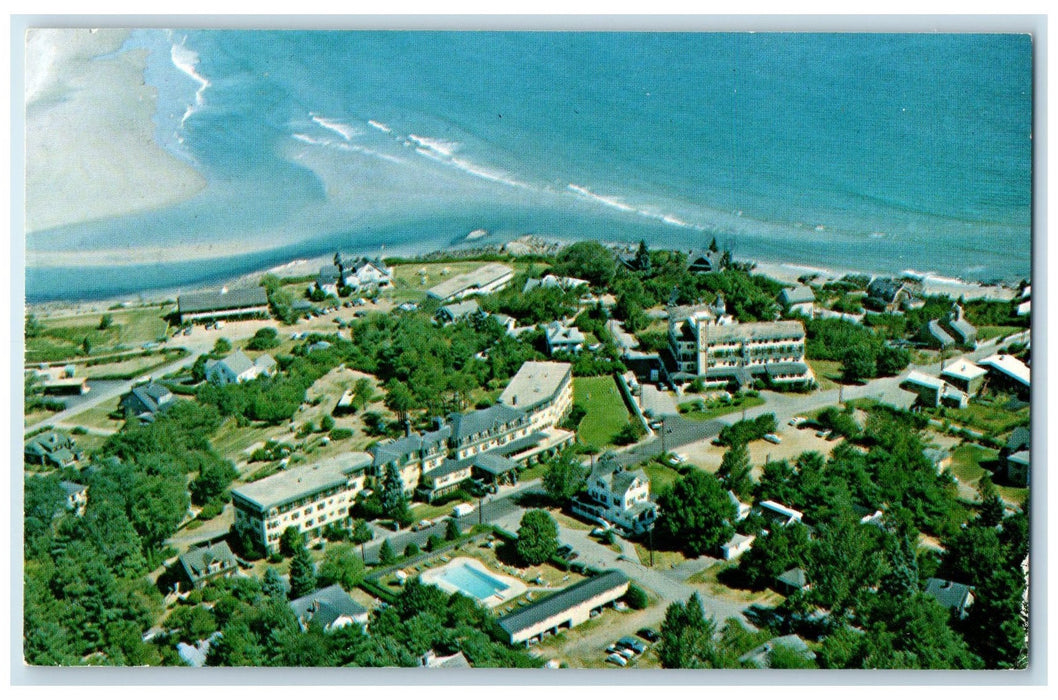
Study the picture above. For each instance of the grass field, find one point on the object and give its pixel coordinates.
(99, 417)
(986, 417)
(61, 338)
(989, 332)
(606, 411)
(827, 372)
(966, 463)
(710, 413)
(661, 477)
(411, 280)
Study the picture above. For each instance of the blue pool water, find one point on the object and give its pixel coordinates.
(474, 583)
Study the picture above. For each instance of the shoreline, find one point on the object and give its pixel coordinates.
(784, 272)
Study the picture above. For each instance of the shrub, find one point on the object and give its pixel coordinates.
(636, 597)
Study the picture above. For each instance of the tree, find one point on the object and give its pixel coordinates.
(995, 627)
(361, 532)
(362, 392)
(687, 637)
(537, 537)
(341, 565)
(636, 597)
(394, 502)
(302, 573)
(264, 339)
(643, 258)
(735, 469)
(105, 322)
(433, 542)
(222, 346)
(412, 550)
(34, 328)
(214, 477)
(273, 585)
(326, 424)
(86, 346)
(892, 361)
(587, 260)
(291, 541)
(858, 363)
(564, 477)
(452, 529)
(697, 513)
(399, 399)
(386, 556)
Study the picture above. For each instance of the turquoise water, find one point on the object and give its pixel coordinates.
(474, 583)
(873, 152)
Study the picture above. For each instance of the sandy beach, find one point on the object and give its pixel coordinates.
(90, 146)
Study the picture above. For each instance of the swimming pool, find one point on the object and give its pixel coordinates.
(471, 578)
(476, 584)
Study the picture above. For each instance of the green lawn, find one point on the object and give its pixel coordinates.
(966, 464)
(722, 410)
(989, 332)
(827, 372)
(61, 338)
(986, 416)
(661, 477)
(606, 411)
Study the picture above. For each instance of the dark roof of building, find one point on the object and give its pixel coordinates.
(49, 442)
(777, 368)
(220, 301)
(71, 488)
(795, 578)
(703, 259)
(196, 562)
(884, 289)
(329, 274)
(801, 294)
(1020, 438)
(326, 605)
(494, 464)
(153, 397)
(461, 309)
(616, 478)
(485, 420)
(563, 600)
(449, 466)
(414, 444)
(948, 593)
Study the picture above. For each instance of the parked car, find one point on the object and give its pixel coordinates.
(825, 434)
(617, 659)
(676, 458)
(601, 531)
(798, 421)
(650, 634)
(773, 438)
(634, 644)
(626, 653)
(422, 525)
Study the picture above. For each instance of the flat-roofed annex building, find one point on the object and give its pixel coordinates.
(249, 302)
(484, 280)
(544, 390)
(564, 610)
(308, 497)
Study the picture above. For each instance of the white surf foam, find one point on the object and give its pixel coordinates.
(621, 205)
(442, 148)
(488, 174)
(186, 61)
(342, 129)
(380, 126)
(612, 202)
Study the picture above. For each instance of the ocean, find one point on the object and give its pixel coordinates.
(851, 151)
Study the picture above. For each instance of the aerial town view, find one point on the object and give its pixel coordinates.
(533, 351)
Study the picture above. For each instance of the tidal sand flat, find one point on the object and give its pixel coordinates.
(90, 147)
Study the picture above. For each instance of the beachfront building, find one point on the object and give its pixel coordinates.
(544, 390)
(620, 497)
(888, 295)
(331, 608)
(147, 400)
(934, 335)
(564, 610)
(799, 300)
(778, 514)
(553, 282)
(1016, 456)
(704, 261)
(364, 274)
(959, 328)
(951, 595)
(484, 280)
(934, 391)
(227, 304)
(1006, 372)
(237, 368)
(563, 338)
(411, 455)
(714, 347)
(52, 449)
(307, 498)
(454, 313)
(965, 376)
(737, 546)
(200, 565)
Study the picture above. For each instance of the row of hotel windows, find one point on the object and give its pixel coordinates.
(313, 498)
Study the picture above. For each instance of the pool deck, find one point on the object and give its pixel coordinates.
(515, 588)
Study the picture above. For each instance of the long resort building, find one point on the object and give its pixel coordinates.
(308, 498)
(249, 302)
(714, 347)
(564, 610)
(484, 280)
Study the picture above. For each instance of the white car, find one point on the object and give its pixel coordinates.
(676, 458)
(773, 438)
(617, 659)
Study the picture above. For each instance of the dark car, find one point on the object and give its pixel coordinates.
(566, 553)
(633, 644)
(649, 634)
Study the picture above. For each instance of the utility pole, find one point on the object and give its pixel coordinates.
(481, 505)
